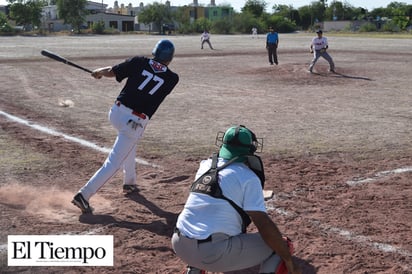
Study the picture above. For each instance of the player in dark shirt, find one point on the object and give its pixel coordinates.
(149, 81)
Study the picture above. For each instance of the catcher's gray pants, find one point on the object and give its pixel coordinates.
(224, 253)
(324, 54)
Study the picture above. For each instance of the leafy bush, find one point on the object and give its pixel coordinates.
(244, 22)
(282, 24)
(368, 27)
(202, 24)
(4, 24)
(6, 28)
(390, 26)
(223, 25)
(98, 28)
(186, 28)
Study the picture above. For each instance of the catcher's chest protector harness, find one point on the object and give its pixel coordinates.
(208, 184)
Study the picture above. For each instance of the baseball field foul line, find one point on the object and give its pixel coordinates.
(343, 233)
(67, 137)
(379, 175)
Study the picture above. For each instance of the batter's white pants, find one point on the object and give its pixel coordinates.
(123, 152)
(224, 253)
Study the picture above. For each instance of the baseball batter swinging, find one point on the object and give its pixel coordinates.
(149, 81)
(318, 47)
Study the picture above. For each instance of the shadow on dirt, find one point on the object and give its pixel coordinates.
(157, 227)
(138, 198)
(341, 75)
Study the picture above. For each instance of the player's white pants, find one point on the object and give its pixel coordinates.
(317, 54)
(123, 152)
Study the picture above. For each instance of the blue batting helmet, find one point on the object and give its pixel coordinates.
(163, 51)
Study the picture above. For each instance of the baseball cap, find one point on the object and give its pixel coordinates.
(319, 31)
(237, 141)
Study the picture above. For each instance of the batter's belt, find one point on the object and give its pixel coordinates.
(138, 114)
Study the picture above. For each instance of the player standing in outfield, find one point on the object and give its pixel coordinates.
(272, 42)
(318, 47)
(254, 32)
(149, 81)
(226, 196)
(205, 38)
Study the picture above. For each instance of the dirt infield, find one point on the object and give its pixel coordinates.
(337, 147)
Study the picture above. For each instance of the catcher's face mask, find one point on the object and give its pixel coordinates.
(241, 142)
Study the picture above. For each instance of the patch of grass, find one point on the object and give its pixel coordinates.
(19, 158)
(389, 35)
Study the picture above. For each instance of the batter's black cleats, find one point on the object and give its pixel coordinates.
(80, 202)
(130, 189)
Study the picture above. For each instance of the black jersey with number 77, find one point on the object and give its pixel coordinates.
(148, 83)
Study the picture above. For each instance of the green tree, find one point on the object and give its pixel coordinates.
(223, 25)
(157, 14)
(4, 24)
(281, 24)
(288, 12)
(282, 10)
(379, 12)
(317, 11)
(202, 24)
(306, 17)
(400, 19)
(312, 14)
(255, 7)
(98, 27)
(182, 18)
(400, 14)
(359, 14)
(73, 12)
(343, 11)
(244, 22)
(27, 13)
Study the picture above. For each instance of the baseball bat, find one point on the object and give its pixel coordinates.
(59, 58)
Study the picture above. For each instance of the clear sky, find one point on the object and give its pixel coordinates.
(238, 4)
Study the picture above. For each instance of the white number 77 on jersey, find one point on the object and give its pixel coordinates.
(151, 76)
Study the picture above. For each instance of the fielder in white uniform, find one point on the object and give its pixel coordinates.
(254, 32)
(318, 47)
(209, 234)
(205, 38)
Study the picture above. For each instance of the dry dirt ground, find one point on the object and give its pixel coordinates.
(337, 147)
